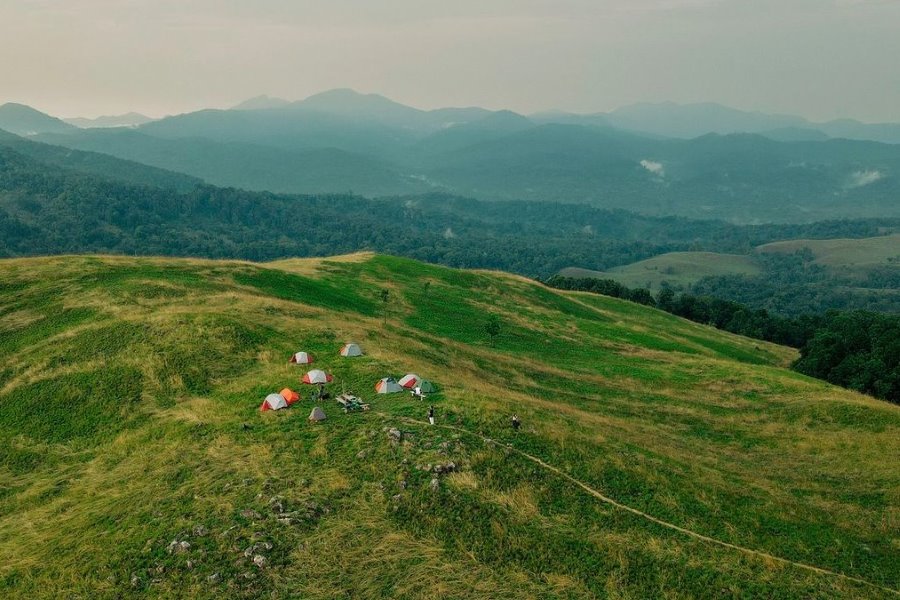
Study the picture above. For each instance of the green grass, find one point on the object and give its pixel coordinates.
(845, 253)
(678, 269)
(129, 394)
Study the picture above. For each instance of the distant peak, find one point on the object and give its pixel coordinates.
(261, 102)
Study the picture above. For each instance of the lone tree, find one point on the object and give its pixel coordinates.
(493, 327)
(385, 296)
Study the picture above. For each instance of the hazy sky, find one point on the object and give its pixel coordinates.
(818, 58)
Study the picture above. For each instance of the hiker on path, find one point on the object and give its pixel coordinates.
(516, 423)
(431, 415)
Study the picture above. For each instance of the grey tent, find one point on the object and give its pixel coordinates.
(317, 414)
(388, 385)
(350, 349)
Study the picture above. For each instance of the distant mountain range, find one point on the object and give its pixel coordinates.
(131, 119)
(699, 161)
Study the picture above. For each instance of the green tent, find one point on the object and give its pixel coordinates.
(426, 387)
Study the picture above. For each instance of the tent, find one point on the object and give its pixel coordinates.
(289, 395)
(410, 380)
(301, 358)
(273, 402)
(317, 376)
(388, 385)
(317, 415)
(351, 350)
(426, 387)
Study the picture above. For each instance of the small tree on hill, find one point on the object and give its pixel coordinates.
(493, 327)
(385, 296)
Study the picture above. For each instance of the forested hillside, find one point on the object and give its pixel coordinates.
(46, 209)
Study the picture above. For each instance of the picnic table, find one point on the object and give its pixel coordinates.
(351, 403)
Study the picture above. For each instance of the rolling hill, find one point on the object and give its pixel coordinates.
(856, 254)
(674, 268)
(657, 458)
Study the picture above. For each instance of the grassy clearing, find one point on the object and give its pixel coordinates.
(129, 391)
(679, 269)
(855, 253)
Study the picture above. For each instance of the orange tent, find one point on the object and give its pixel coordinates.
(290, 396)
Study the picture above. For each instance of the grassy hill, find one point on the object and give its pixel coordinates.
(845, 253)
(675, 268)
(657, 458)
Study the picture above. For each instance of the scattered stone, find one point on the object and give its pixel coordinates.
(258, 535)
(135, 580)
(176, 547)
(362, 454)
(160, 569)
(395, 435)
(251, 514)
(200, 531)
(214, 578)
(396, 497)
(248, 575)
(259, 560)
(402, 484)
(189, 564)
(435, 484)
(447, 468)
(276, 503)
(286, 520)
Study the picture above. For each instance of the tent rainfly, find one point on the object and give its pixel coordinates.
(301, 358)
(410, 380)
(317, 376)
(317, 415)
(351, 350)
(426, 387)
(388, 385)
(273, 402)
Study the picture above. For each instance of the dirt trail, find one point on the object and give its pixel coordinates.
(699, 536)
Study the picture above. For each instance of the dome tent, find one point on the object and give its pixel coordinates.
(317, 376)
(426, 387)
(351, 349)
(410, 380)
(273, 402)
(317, 415)
(290, 396)
(301, 358)
(388, 385)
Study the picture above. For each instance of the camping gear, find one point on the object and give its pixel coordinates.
(388, 385)
(273, 402)
(410, 380)
(351, 403)
(301, 358)
(317, 415)
(426, 387)
(290, 396)
(317, 376)
(351, 349)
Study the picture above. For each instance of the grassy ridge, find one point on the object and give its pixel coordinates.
(675, 268)
(128, 417)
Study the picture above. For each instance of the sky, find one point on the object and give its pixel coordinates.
(822, 59)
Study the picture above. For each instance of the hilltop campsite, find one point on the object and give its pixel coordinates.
(656, 457)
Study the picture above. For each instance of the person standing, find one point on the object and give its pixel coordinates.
(431, 415)
(516, 423)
